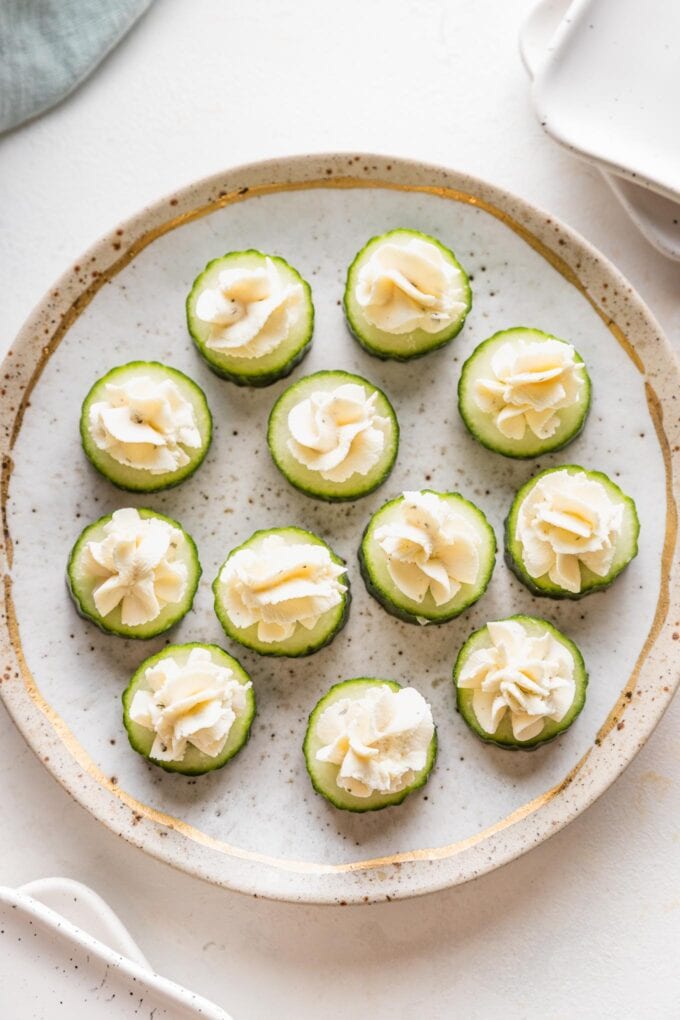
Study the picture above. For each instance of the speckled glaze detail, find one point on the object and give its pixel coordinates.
(431, 848)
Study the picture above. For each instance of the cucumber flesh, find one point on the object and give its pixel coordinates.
(309, 481)
(138, 479)
(404, 346)
(303, 641)
(374, 565)
(81, 583)
(503, 736)
(324, 774)
(626, 545)
(481, 424)
(276, 364)
(194, 762)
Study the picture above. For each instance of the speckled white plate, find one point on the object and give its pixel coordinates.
(257, 826)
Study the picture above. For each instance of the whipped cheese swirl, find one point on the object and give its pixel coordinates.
(530, 383)
(136, 566)
(279, 586)
(407, 285)
(564, 521)
(144, 423)
(251, 310)
(379, 740)
(195, 703)
(530, 677)
(429, 547)
(338, 432)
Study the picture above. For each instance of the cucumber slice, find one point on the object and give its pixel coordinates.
(402, 346)
(194, 762)
(626, 545)
(310, 481)
(266, 369)
(302, 641)
(503, 735)
(82, 583)
(374, 565)
(324, 774)
(482, 425)
(139, 479)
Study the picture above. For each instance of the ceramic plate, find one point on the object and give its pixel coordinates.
(257, 826)
(656, 216)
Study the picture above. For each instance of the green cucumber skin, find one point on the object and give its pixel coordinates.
(359, 806)
(328, 497)
(311, 649)
(129, 632)
(403, 614)
(145, 487)
(176, 767)
(538, 740)
(257, 380)
(437, 344)
(588, 393)
(553, 592)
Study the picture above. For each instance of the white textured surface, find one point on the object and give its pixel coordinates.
(582, 925)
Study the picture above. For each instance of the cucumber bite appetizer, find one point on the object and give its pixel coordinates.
(251, 317)
(524, 393)
(334, 436)
(406, 295)
(369, 743)
(134, 573)
(145, 426)
(283, 592)
(570, 532)
(426, 556)
(189, 709)
(519, 682)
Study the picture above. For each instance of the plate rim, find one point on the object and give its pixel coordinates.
(399, 875)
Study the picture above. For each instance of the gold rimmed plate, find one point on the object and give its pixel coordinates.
(257, 826)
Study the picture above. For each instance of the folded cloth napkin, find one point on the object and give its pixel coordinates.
(48, 47)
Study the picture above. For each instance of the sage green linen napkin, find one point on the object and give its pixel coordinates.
(48, 47)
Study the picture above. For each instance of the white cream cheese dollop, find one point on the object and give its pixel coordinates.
(195, 703)
(530, 383)
(338, 432)
(409, 284)
(564, 521)
(251, 310)
(530, 677)
(144, 423)
(136, 566)
(429, 547)
(280, 586)
(379, 740)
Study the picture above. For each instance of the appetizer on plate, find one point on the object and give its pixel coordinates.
(334, 436)
(145, 426)
(134, 573)
(406, 295)
(426, 556)
(189, 709)
(570, 532)
(283, 592)
(251, 317)
(369, 744)
(519, 682)
(524, 393)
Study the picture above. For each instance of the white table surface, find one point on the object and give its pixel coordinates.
(587, 925)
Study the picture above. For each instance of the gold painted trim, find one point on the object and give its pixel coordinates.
(170, 822)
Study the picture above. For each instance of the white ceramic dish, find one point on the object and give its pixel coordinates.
(656, 216)
(64, 951)
(257, 826)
